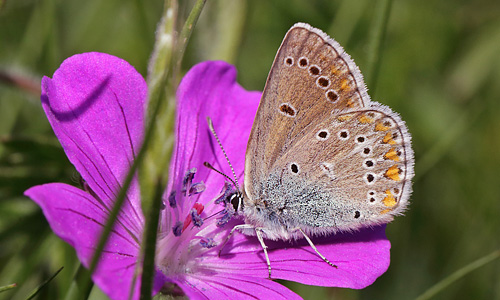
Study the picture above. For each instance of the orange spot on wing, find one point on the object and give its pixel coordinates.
(365, 119)
(389, 200)
(381, 127)
(388, 139)
(344, 84)
(393, 173)
(392, 154)
(344, 118)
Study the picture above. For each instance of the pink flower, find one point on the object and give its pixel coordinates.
(95, 104)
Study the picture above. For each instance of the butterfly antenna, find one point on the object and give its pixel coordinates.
(235, 181)
(208, 165)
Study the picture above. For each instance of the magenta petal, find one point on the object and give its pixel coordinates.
(361, 258)
(78, 218)
(95, 104)
(209, 89)
(240, 287)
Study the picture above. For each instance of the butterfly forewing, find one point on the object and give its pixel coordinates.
(311, 76)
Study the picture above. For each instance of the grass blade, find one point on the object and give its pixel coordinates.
(41, 286)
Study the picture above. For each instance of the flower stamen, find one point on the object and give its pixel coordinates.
(194, 216)
(177, 229)
(171, 199)
(196, 188)
(188, 179)
(208, 243)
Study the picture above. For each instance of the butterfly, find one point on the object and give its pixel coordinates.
(322, 157)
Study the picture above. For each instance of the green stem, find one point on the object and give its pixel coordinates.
(154, 171)
(438, 287)
(78, 288)
(7, 287)
(186, 32)
(150, 242)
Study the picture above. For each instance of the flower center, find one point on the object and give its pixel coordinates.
(192, 234)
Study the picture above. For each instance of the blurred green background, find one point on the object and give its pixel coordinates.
(440, 69)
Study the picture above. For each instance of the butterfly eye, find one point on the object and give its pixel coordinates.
(236, 200)
(357, 214)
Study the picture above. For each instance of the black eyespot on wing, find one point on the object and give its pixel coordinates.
(287, 109)
(323, 82)
(370, 177)
(332, 95)
(313, 70)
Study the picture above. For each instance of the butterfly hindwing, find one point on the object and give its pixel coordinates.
(354, 168)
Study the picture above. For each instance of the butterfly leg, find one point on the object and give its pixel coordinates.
(315, 249)
(258, 233)
(237, 227)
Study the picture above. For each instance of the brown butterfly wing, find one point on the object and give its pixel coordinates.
(356, 168)
(311, 73)
(300, 168)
